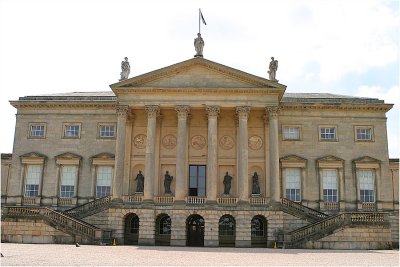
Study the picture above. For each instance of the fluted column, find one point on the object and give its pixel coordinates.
(152, 112)
(122, 112)
(212, 153)
(243, 152)
(275, 188)
(181, 153)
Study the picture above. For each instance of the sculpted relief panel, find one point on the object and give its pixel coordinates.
(140, 141)
(198, 142)
(255, 142)
(226, 142)
(169, 141)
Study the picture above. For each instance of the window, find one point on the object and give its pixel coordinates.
(107, 131)
(327, 133)
(197, 180)
(134, 225)
(72, 130)
(37, 130)
(293, 186)
(165, 225)
(363, 133)
(367, 192)
(291, 133)
(226, 226)
(257, 227)
(33, 173)
(68, 178)
(329, 185)
(103, 185)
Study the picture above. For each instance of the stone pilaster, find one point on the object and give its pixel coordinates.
(181, 153)
(212, 153)
(275, 191)
(122, 113)
(152, 112)
(243, 152)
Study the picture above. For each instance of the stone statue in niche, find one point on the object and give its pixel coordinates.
(139, 182)
(256, 185)
(227, 183)
(273, 67)
(198, 45)
(125, 69)
(167, 183)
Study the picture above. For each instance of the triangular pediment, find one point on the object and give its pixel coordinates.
(292, 158)
(68, 155)
(197, 73)
(104, 155)
(366, 159)
(33, 155)
(329, 158)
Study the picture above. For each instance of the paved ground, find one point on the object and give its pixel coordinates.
(54, 255)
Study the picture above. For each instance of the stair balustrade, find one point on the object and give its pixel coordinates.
(301, 211)
(89, 208)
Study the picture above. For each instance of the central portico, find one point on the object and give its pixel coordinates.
(198, 120)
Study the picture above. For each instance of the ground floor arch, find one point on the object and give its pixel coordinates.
(227, 231)
(131, 233)
(195, 231)
(259, 231)
(163, 230)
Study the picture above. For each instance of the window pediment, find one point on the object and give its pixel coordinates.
(68, 158)
(33, 158)
(366, 162)
(330, 161)
(293, 161)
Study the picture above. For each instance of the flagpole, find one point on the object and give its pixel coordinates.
(199, 20)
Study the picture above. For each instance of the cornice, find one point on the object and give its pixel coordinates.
(322, 106)
(69, 104)
(184, 90)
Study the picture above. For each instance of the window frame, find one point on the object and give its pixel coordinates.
(31, 124)
(297, 191)
(336, 195)
(288, 126)
(366, 127)
(197, 180)
(373, 177)
(38, 185)
(335, 139)
(76, 167)
(96, 183)
(67, 124)
(105, 124)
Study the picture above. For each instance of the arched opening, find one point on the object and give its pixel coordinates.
(259, 232)
(131, 229)
(195, 231)
(163, 230)
(227, 231)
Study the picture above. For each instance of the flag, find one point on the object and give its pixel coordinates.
(202, 18)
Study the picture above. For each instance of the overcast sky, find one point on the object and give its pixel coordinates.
(342, 47)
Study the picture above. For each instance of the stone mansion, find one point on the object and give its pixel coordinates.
(201, 154)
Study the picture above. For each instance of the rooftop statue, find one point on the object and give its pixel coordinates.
(125, 69)
(198, 45)
(273, 67)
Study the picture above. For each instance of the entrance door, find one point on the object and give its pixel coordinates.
(163, 230)
(259, 232)
(195, 231)
(227, 231)
(131, 229)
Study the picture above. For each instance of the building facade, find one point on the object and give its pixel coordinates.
(201, 154)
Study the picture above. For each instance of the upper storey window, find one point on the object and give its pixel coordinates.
(37, 130)
(328, 133)
(291, 132)
(107, 130)
(72, 130)
(364, 133)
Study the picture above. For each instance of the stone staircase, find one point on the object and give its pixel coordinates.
(90, 208)
(302, 212)
(82, 232)
(322, 225)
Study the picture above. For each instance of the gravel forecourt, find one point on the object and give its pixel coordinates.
(88, 255)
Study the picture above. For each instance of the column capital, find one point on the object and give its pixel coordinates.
(183, 111)
(243, 112)
(153, 111)
(273, 111)
(122, 110)
(212, 111)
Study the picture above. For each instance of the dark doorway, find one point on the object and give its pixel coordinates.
(259, 232)
(195, 231)
(197, 180)
(163, 230)
(131, 229)
(227, 231)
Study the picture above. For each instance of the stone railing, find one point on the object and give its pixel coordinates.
(29, 201)
(89, 207)
(258, 201)
(195, 200)
(65, 222)
(331, 206)
(302, 211)
(164, 200)
(368, 206)
(65, 201)
(327, 226)
(132, 198)
(227, 200)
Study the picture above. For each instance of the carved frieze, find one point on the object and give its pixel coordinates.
(140, 141)
(169, 141)
(198, 142)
